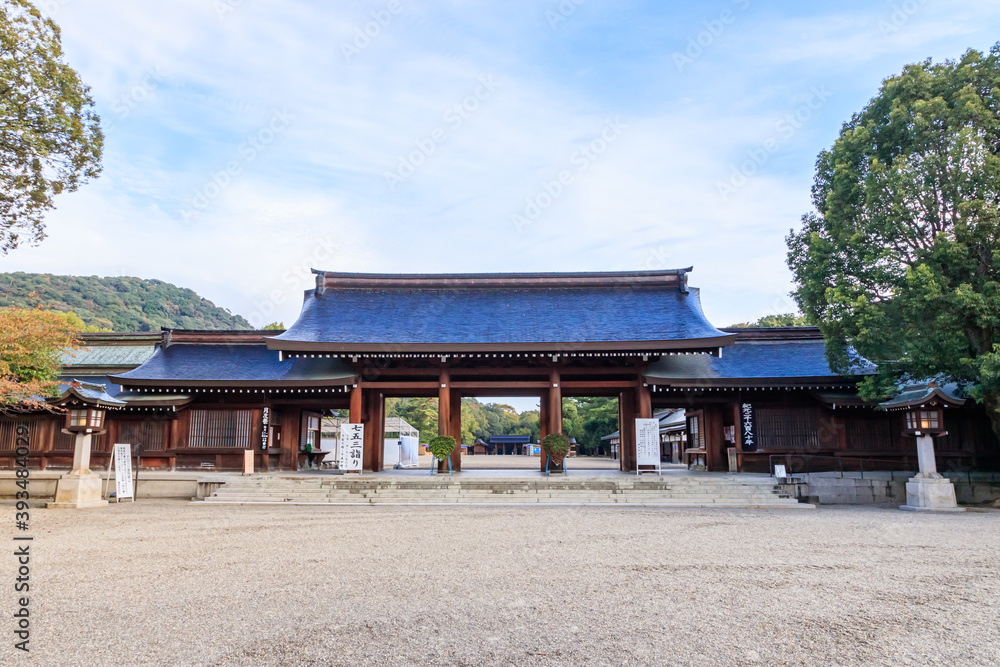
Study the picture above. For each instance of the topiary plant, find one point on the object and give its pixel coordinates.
(441, 446)
(556, 446)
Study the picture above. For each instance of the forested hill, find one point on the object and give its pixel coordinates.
(119, 304)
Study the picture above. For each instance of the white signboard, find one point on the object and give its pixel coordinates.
(647, 442)
(352, 447)
(779, 471)
(123, 472)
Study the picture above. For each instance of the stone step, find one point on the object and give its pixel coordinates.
(678, 492)
(662, 503)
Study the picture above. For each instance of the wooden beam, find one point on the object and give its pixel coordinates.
(423, 385)
(500, 384)
(583, 385)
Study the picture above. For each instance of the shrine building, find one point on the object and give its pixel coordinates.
(200, 399)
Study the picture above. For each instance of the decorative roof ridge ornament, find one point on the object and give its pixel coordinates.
(920, 395)
(660, 278)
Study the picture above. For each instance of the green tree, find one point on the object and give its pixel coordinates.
(421, 413)
(117, 303)
(273, 326)
(900, 263)
(50, 139)
(783, 320)
(597, 417)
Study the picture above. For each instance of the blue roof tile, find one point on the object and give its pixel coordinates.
(747, 360)
(233, 365)
(500, 317)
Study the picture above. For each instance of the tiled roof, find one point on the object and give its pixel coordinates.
(108, 355)
(233, 366)
(747, 360)
(110, 387)
(542, 312)
(924, 394)
(90, 393)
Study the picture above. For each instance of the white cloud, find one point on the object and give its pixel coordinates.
(651, 199)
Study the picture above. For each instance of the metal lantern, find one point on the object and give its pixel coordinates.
(925, 420)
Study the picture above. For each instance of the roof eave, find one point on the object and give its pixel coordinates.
(568, 347)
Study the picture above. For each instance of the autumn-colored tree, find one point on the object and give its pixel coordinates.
(32, 343)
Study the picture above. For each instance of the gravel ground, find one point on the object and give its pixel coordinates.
(168, 582)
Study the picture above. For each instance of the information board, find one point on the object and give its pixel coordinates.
(647, 442)
(352, 447)
(123, 472)
(748, 428)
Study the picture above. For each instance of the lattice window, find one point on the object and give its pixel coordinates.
(869, 434)
(696, 437)
(147, 432)
(220, 428)
(788, 428)
(8, 434)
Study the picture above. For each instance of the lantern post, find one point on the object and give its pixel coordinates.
(928, 491)
(86, 408)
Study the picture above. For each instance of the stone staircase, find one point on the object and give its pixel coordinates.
(744, 491)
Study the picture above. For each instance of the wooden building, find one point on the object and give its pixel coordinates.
(198, 399)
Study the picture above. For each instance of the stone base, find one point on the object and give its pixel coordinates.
(930, 494)
(75, 491)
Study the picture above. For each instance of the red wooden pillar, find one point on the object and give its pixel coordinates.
(626, 430)
(644, 402)
(543, 422)
(715, 458)
(355, 416)
(552, 416)
(444, 408)
(456, 430)
(376, 426)
(290, 434)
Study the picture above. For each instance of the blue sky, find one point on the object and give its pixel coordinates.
(249, 141)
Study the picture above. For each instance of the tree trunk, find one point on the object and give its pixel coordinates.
(991, 402)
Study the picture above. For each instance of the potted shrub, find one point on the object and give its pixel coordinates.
(556, 447)
(441, 446)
